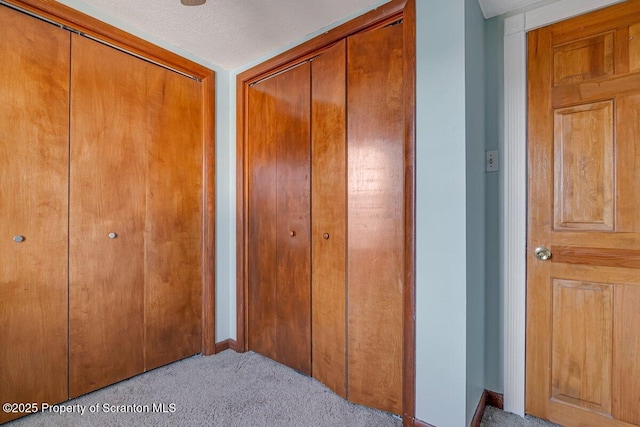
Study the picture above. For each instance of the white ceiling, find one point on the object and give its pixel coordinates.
(233, 33)
(230, 33)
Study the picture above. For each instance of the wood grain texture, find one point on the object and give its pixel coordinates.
(329, 217)
(594, 90)
(174, 218)
(582, 347)
(76, 20)
(262, 217)
(603, 257)
(388, 13)
(583, 59)
(617, 17)
(580, 331)
(409, 299)
(584, 167)
(226, 345)
(376, 217)
(293, 223)
(107, 194)
(633, 36)
(626, 378)
(65, 15)
(280, 252)
(34, 161)
(628, 160)
(72, 18)
(208, 110)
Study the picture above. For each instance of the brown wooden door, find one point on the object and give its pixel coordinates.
(279, 315)
(136, 171)
(34, 162)
(375, 266)
(329, 217)
(107, 195)
(173, 223)
(583, 317)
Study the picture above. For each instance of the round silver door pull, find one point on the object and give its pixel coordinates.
(112, 235)
(18, 239)
(542, 253)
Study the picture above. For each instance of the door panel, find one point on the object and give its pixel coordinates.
(375, 217)
(279, 218)
(581, 350)
(34, 162)
(262, 218)
(583, 59)
(584, 167)
(582, 334)
(329, 227)
(107, 195)
(173, 237)
(628, 162)
(293, 203)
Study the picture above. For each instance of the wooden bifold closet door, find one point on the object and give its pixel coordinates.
(326, 215)
(279, 196)
(376, 213)
(102, 214)
(34, 165)
(329, 220)
(135, 245)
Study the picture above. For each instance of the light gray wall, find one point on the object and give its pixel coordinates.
(441, 237)
(475, 137)
(494, 30)
(225, 206)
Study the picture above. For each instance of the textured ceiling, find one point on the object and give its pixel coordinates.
(230, 33)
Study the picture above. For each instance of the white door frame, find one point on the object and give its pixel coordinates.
(514, 185)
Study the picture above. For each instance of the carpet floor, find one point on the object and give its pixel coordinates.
(228, 389)
(495, 417)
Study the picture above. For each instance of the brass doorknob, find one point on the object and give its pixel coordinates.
(326, 236)
(542, 253)
(292, 233)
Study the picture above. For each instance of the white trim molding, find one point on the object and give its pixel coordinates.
(491, 8)
(514, 185)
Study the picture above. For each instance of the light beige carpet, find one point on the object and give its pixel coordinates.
(228, 389)
(495, 417)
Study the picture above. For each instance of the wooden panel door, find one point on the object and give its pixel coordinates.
(173, 224)
(34, 162)
(375, 217)
(329, 217)
(583, 322)
(107, 195)
(279, 218)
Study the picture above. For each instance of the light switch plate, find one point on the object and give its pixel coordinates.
(492, 161)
